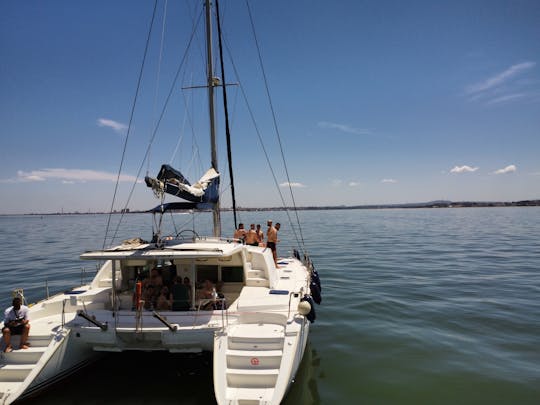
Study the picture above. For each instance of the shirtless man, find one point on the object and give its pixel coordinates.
(155, 280)
(207, 292)
(240, 233)
(272, 238)
(260, 233)
(251, 237)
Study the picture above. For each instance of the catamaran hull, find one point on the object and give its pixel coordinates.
(257, 362)
(62, 356)
(257, 330)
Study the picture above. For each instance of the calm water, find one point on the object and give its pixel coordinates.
(434, 306)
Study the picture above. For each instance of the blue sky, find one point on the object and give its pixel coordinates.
(375, 101)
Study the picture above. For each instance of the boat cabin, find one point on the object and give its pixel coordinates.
(227, 267)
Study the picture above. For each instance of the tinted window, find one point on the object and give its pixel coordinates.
(232, 274)
(207, 273)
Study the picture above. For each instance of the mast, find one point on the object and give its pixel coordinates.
(226, 113)
(211, 110)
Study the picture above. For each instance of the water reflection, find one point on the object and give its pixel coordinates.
(161, 377)
(304, 390)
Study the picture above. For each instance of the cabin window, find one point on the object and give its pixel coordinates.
(207, 273)
(129, 274)
(232, 274)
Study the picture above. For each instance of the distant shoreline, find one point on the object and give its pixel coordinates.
(431, 204)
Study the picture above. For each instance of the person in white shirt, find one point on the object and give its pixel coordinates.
(16, 322)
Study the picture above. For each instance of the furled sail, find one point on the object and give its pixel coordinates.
(171, 181)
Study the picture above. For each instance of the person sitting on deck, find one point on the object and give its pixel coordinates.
(187, 283)
(206, 291)
(16, 322)
(149, 297)
(164, 299)
(206, 294)
(221, 303)
(212, 296)
(155, 279)
(180, 295)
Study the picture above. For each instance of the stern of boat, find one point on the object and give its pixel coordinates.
(256, 360)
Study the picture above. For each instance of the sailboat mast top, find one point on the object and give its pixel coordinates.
(211, 110)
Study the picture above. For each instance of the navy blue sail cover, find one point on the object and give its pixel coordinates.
(206, 190)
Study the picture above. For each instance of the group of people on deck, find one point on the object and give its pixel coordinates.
(255, 236)
(163, 296)
(176, 296)
(154, 292)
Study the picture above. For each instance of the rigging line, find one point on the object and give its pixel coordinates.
(157, 126)
(195, 155)
(190, 108)
(226, 111)
(259, 136)
(160, 60)
(182, 130)
(188, 112)
(180, 139)
(274, 120)
(130, 121)
(261, 142)
(186, 119)
(275, 124)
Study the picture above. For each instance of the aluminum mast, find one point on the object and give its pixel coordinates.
(211, 109)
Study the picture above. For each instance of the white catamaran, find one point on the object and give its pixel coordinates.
(255, 320)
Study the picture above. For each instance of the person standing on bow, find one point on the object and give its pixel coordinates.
(251, 237)
(240, 233)
(16, 322)
(260, 234)
(272, 239)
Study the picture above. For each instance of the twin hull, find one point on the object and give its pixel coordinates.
(257, 334)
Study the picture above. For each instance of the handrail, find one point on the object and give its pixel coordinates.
(102, 326)
(172, 328)
(63, 313)
(224, 309)
(224, 312)
(138, 316)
